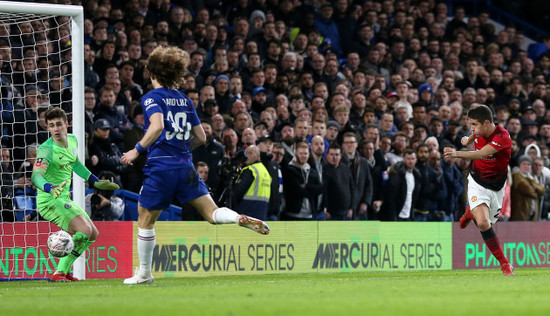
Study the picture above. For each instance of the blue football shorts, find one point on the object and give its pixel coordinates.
(160, 187)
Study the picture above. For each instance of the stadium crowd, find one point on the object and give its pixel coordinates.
(350, 102)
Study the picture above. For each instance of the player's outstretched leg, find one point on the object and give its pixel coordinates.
(466, 218)
(224, 215)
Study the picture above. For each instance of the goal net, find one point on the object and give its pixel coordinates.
(41, 65)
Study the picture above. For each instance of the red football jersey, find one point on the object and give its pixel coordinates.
(491, 172)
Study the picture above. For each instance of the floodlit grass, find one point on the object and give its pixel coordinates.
(458, 292)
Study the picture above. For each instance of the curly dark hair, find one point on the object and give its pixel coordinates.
(168, 66)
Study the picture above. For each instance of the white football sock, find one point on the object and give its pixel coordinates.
(145, 245)
(224, 215)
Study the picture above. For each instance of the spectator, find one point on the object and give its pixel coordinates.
(361, 176)
(105, 58)
(400, 143)
(134, 177)
(402, 190)
(7, 187)
(105, 155)
(91, 78)
(106, 109)
(338, 187)
(386, 126)
(302, 186)
(26, 128)
(252, 189)
(543, 179)
(472, 78)
(525, 192)
(318, 162)
(431, 187)
(222, 93)
(127, 71)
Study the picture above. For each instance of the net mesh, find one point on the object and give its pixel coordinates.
(35, 73)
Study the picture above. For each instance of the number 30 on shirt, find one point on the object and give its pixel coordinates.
(181, 128)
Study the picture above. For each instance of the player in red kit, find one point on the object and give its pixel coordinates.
(487, 179)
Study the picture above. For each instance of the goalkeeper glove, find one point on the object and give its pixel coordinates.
(54, 191)
(104, 185)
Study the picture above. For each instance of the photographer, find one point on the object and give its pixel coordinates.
(252, 190)
(229, 167)
(104, 205)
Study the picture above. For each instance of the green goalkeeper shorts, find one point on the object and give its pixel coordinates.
(60, 211)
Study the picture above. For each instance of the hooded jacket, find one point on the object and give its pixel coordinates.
(296, 196)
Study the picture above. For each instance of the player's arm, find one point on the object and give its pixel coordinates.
(467, 140)
(153, 133)
(39, 170)
(83, 172)
(478, 154)
(198, 138)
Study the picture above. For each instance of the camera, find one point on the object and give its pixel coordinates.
(229, 171)
(95, 200)
(229, 167)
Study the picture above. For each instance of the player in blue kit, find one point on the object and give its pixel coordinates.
(172, 129)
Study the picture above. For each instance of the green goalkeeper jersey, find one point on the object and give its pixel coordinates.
(58, 163)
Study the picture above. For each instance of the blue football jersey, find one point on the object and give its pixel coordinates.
(171, 149)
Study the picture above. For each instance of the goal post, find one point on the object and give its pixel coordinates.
(18, 12)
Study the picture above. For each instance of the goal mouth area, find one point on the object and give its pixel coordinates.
(37, 71)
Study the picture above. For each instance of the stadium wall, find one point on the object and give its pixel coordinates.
(24, 254)
(525, 244)
(186, 249)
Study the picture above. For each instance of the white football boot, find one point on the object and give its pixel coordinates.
(139, 278)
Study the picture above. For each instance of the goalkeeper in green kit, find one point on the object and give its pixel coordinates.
(56, 159)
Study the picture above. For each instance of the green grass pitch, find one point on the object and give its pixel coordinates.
(458, 292)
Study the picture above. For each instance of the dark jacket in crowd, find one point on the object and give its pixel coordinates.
(26, 131)
(134, 177)
(275, 172)
(116, 119)
(338, 190)
(377, 174)
(396, 193)
(108, 156)
(293, 178)
(362, 183)
(432, 188)
(455, 185)
(211, 153)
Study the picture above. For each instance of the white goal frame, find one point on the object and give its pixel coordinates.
(77, 37)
